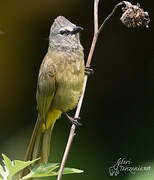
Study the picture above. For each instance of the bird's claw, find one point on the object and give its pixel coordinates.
(89, 71)
(74, 120)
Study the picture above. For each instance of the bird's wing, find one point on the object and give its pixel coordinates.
(45, 88)
(45, 93)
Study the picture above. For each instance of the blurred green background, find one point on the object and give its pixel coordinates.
(118, 108)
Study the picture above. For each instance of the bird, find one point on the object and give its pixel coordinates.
(59, 86)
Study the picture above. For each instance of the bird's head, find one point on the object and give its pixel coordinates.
(64, 35)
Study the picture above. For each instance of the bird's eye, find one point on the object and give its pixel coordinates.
(66, 32)
(62, 32)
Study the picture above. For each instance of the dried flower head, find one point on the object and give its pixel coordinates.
(134, 16)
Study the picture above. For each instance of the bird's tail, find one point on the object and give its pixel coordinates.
(39, 146)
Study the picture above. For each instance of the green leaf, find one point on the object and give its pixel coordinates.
(42, 171)
(49, 170)
(68, 171)
(12, 167)
(72, 171)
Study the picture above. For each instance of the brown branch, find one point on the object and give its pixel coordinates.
(95, 37)
(93, 44)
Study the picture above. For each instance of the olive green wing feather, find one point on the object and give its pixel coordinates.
(45, 89)
(45, 93)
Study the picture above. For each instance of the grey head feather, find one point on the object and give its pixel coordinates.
(61, 38)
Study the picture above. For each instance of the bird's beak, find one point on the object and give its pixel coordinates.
(77, 29)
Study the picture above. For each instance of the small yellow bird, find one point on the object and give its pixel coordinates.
(60, 84)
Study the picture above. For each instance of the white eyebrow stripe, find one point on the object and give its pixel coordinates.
(69, 28)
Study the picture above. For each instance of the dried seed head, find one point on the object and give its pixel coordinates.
(134, 16)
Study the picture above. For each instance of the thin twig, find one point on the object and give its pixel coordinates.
(93, 44)
(109, 16)
(95, 37)
(96, 2)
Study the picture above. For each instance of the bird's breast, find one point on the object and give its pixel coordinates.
(69, 78)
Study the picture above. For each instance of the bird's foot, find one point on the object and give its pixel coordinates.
(74, 120)
(89, 71)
